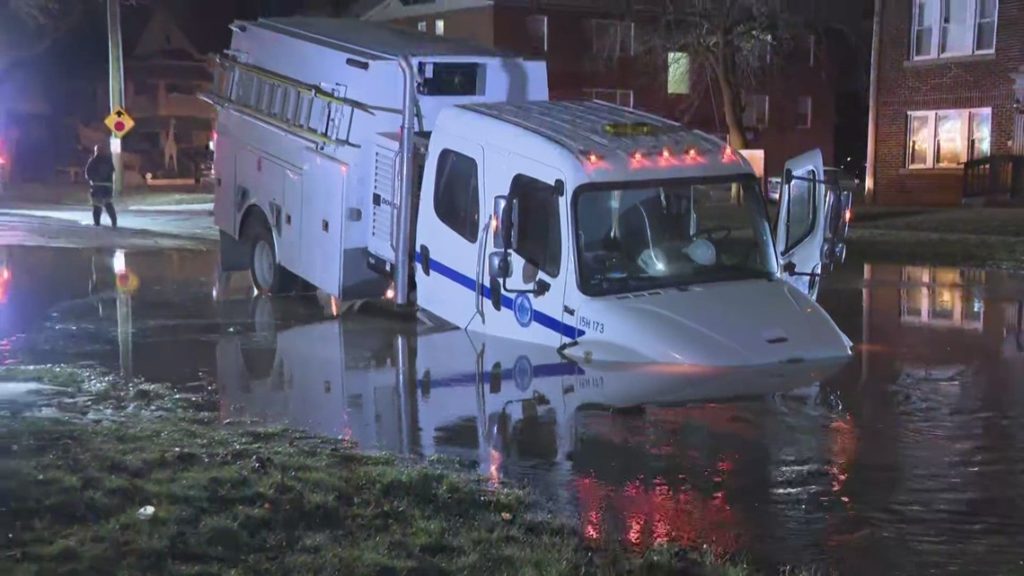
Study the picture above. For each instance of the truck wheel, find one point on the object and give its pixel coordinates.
(268, 276)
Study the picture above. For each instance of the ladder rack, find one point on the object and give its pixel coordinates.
(315, 113)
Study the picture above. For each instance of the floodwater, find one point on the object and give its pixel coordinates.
(907, 459)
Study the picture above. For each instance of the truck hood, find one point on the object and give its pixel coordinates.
(728, 324)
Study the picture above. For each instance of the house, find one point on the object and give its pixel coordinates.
(601, 49)
(949, 92)
(164, 72)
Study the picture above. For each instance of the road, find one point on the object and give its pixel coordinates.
(182, 227)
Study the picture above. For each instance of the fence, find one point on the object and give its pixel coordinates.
(995, 177)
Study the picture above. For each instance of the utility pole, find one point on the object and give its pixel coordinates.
(876, 40)
(116, 87)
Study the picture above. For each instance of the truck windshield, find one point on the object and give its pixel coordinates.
(646, 235)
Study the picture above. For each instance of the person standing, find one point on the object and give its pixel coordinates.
(100, 173)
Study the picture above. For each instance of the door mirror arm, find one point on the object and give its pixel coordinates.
(790, 269)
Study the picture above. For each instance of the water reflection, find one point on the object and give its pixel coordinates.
(906, 460)
(902, 461)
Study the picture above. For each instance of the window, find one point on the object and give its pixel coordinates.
(800, 211)
(457, 194)
(755, 111)
(540, 231)
(439, 27)
(948, 138)
(649, 234)
(611, 96)
(612, 38)
(537, 31)
(422, 26)
(451, 79)
(678, 73)
(803, 112)
(945, 28)
(813, 48)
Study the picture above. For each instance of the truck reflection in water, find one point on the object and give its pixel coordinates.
(523, 413)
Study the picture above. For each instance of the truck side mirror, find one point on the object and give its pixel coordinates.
(498, 215)
(787, 177)
(499, 265)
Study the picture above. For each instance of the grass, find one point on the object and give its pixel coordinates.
(254, 502)
(231, 501)
(57, 376)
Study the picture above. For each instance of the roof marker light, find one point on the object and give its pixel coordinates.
(666, 153)
(691, 154)
(593, 158)
(728, 155)
(638, 156)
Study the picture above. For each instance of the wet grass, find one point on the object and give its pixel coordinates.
(230, 500)
(268, 502)
(937, 249)
(979, 237)
(56, 376)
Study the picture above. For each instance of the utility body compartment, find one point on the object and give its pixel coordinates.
(309, 112)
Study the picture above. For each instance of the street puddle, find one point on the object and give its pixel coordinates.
(904, 459)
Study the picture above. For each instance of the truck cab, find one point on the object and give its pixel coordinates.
(614, 235)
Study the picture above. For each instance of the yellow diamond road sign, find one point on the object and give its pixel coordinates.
(119, 122)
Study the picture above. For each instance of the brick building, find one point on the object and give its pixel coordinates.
(600, 49)
(946, 94)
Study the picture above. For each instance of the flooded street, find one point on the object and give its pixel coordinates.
(906, 459)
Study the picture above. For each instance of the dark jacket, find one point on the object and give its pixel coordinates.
(100, 170)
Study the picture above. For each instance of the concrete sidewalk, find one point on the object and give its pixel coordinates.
(54, 195)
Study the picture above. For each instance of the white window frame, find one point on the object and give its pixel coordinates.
(422, 26)
(767, 111)
(616, 94)
(619, 26)
(543, 18)
(966, 135)
(810, 111)
(439, 27)
(688, 88)
(936, 24)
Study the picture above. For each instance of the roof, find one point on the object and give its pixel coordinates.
(582, 127)
(378, 10)
(381, 39)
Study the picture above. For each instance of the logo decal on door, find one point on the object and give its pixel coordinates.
(523, 309)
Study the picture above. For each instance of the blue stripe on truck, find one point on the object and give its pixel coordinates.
(545, 320)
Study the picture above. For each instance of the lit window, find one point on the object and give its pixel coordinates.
(422, 26)
(439, 27)
(953, 27)
(948, 138)
(678, 73)
(755, 111)
(803, 112)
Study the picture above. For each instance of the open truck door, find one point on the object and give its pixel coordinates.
(813, 217)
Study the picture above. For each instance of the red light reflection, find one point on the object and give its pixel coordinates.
(658, 514)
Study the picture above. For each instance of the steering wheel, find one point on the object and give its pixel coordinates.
(709, 233)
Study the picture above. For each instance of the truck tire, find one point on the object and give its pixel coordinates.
(268, 276)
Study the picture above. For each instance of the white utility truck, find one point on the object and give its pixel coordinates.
(371, 162)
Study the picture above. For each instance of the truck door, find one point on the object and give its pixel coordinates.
(449, 229)
(800, 233)
(528, 303)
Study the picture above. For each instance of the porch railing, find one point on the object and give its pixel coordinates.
(997, 177)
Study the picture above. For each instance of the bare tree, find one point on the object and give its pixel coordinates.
(28, 27)
(735, 39)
